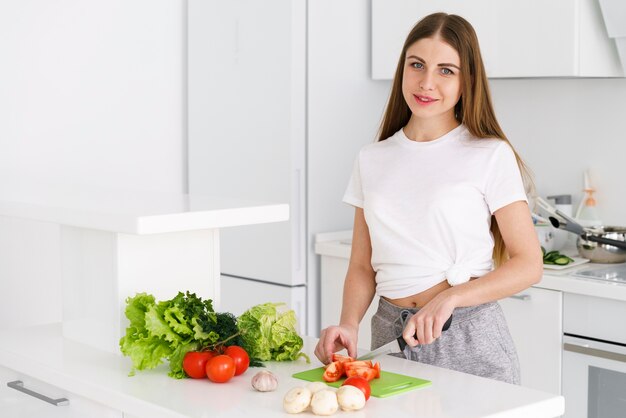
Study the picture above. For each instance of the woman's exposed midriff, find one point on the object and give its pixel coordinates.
(420, 299)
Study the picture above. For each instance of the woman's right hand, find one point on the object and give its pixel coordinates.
(336, 338)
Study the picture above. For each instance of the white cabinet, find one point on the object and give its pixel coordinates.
(246, 293)
(15, 403)
(535, 320)
(334, 248)
(533, 38)
(247, 129)
(333, 274)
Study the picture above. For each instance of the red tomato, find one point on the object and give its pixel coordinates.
(358, 363)
(365, 372)
(376, 367)
(194, 363)
(333, 372)
(341, 358)
(359, 383)
(220, 368)
(241, 358)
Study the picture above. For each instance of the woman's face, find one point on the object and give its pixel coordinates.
(431, 84)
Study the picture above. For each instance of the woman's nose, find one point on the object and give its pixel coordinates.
(426, 83)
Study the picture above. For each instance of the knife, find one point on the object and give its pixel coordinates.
(395, 346)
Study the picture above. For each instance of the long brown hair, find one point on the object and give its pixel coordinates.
(474, 109)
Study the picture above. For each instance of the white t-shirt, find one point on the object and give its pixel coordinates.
(428, 207)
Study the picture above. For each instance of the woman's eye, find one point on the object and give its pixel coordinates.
(446, 71)
(417, 65)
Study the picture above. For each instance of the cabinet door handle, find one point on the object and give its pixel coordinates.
(521, 297)
(577, 348)
(19, 385)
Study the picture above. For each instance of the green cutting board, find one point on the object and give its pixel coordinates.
(387, 384)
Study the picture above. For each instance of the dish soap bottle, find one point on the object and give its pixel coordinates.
(587, 213)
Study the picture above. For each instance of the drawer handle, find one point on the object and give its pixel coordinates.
(19, 385)
(576, 348)
(521, 297)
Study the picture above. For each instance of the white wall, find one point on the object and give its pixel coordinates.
(91, 92)
(562, 127)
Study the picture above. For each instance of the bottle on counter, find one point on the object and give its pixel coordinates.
(587, 213)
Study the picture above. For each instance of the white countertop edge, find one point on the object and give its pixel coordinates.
(333, 249)
(333, 236)
(582, 286)
(85, 388)
(154, 224)
(553, 407)
(222, 218)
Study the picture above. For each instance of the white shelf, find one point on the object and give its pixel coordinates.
(132, 212)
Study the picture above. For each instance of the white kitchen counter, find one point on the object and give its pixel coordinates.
(565, 281)
(42, 353)
(338, 244)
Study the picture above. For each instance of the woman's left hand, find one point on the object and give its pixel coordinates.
(428, 322)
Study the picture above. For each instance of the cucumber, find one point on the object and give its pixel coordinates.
(554, 257)
(551, 255)
(563, 260)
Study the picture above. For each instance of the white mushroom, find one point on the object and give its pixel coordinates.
(317, 386)
(324, 402)
(350, 398)
(297, 400)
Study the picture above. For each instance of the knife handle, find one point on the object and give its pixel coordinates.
(403, 344)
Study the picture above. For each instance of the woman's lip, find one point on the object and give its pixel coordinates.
(429, 101)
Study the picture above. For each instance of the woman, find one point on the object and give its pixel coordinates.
(439, 201)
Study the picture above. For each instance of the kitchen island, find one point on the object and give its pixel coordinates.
(96, 377)
(115, 243)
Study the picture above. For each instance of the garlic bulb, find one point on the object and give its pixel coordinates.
(264, 381)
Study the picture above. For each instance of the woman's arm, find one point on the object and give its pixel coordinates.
(358, 292)
(523, 269)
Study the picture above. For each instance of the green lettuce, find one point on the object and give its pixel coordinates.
(176, 359)
(268, 332)
(167, 330)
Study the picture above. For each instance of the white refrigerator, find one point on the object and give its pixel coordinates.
(247, 139)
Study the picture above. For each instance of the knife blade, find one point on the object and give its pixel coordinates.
(395, 346)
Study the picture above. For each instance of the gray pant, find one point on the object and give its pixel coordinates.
(478, 342)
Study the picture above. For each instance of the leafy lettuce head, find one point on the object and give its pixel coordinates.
(269, 333)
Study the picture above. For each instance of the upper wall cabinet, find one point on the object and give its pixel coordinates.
(530, 38)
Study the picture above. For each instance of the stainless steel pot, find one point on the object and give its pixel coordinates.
(603, 253)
